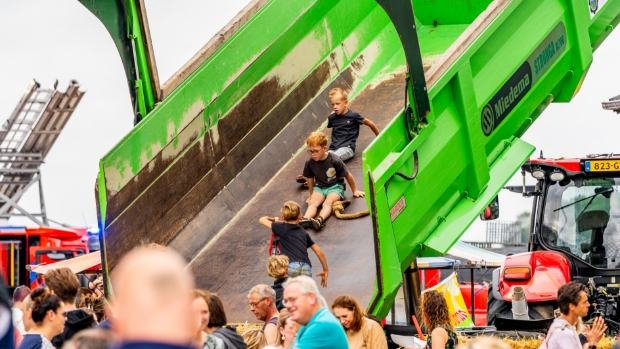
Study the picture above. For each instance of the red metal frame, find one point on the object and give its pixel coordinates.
(570, 165)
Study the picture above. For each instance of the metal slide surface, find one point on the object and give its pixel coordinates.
(223, 146)
(236, 260)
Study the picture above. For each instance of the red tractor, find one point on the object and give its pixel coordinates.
(574, 236)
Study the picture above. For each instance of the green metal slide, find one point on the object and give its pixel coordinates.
(213, 145)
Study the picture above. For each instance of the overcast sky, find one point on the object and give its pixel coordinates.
(60, 39)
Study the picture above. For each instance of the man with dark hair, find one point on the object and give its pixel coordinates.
(573, 303)
(20, 293)
(63, 283)
(27, 318)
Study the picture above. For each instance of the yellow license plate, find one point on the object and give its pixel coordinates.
(603, 166)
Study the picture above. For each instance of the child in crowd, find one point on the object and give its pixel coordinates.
(277, 267)
(295, 241)
(254, 338)
(345, 125)
(325, 173)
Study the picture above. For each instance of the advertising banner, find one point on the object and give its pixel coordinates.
(449, 287)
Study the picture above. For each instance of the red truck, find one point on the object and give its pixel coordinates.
(22, 246)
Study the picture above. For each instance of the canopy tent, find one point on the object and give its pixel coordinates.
(436, 262)
(76, 265)
(475, 255)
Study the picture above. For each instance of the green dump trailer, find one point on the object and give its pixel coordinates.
(451, 85)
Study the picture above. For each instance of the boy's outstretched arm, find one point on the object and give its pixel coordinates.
(351, 181)
(266, 221)
(372, 126)
(319, 253)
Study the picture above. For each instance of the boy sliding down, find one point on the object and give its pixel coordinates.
(325, 173)
(295, 241)
(345, 125)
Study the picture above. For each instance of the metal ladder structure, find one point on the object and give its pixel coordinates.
(26, 138)
(613, 104)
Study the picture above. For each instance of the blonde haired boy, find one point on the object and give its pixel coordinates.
(295, 241)
(325, 173)
(345, 125)
(277, 267)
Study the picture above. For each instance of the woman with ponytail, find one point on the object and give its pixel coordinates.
(48, 315)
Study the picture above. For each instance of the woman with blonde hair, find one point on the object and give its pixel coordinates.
(287, 331)
(361, 332)
(254, 338)
(437, 321)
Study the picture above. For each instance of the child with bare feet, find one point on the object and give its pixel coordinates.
(345, 125)
(325, 173)
(295, 241)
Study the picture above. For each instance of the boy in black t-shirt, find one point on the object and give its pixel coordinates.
(325, 173)
(345, 125)
(295, 241)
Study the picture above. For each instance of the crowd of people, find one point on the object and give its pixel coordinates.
(156, 305)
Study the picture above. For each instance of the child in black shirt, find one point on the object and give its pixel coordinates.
(295, 241)
(345, 125)
(326, 174)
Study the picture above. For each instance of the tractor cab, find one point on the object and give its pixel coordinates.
(574, 236)
(577, 213)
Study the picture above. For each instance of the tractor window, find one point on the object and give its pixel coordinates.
(585, 220)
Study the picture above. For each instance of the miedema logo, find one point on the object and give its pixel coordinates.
(506, 98)
(488, 119)
(521, 81)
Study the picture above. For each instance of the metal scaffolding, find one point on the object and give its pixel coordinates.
(26, 138)
(613, 104)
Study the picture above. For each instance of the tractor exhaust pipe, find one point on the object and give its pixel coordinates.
(519, 304)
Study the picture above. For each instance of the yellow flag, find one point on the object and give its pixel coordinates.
(449, 287)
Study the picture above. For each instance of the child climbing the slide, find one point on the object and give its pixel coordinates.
(295, 241)
(325, 173)
(345, 125)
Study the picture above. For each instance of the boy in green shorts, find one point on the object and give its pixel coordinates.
(325, 173)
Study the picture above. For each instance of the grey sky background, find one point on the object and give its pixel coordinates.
(60, 39)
